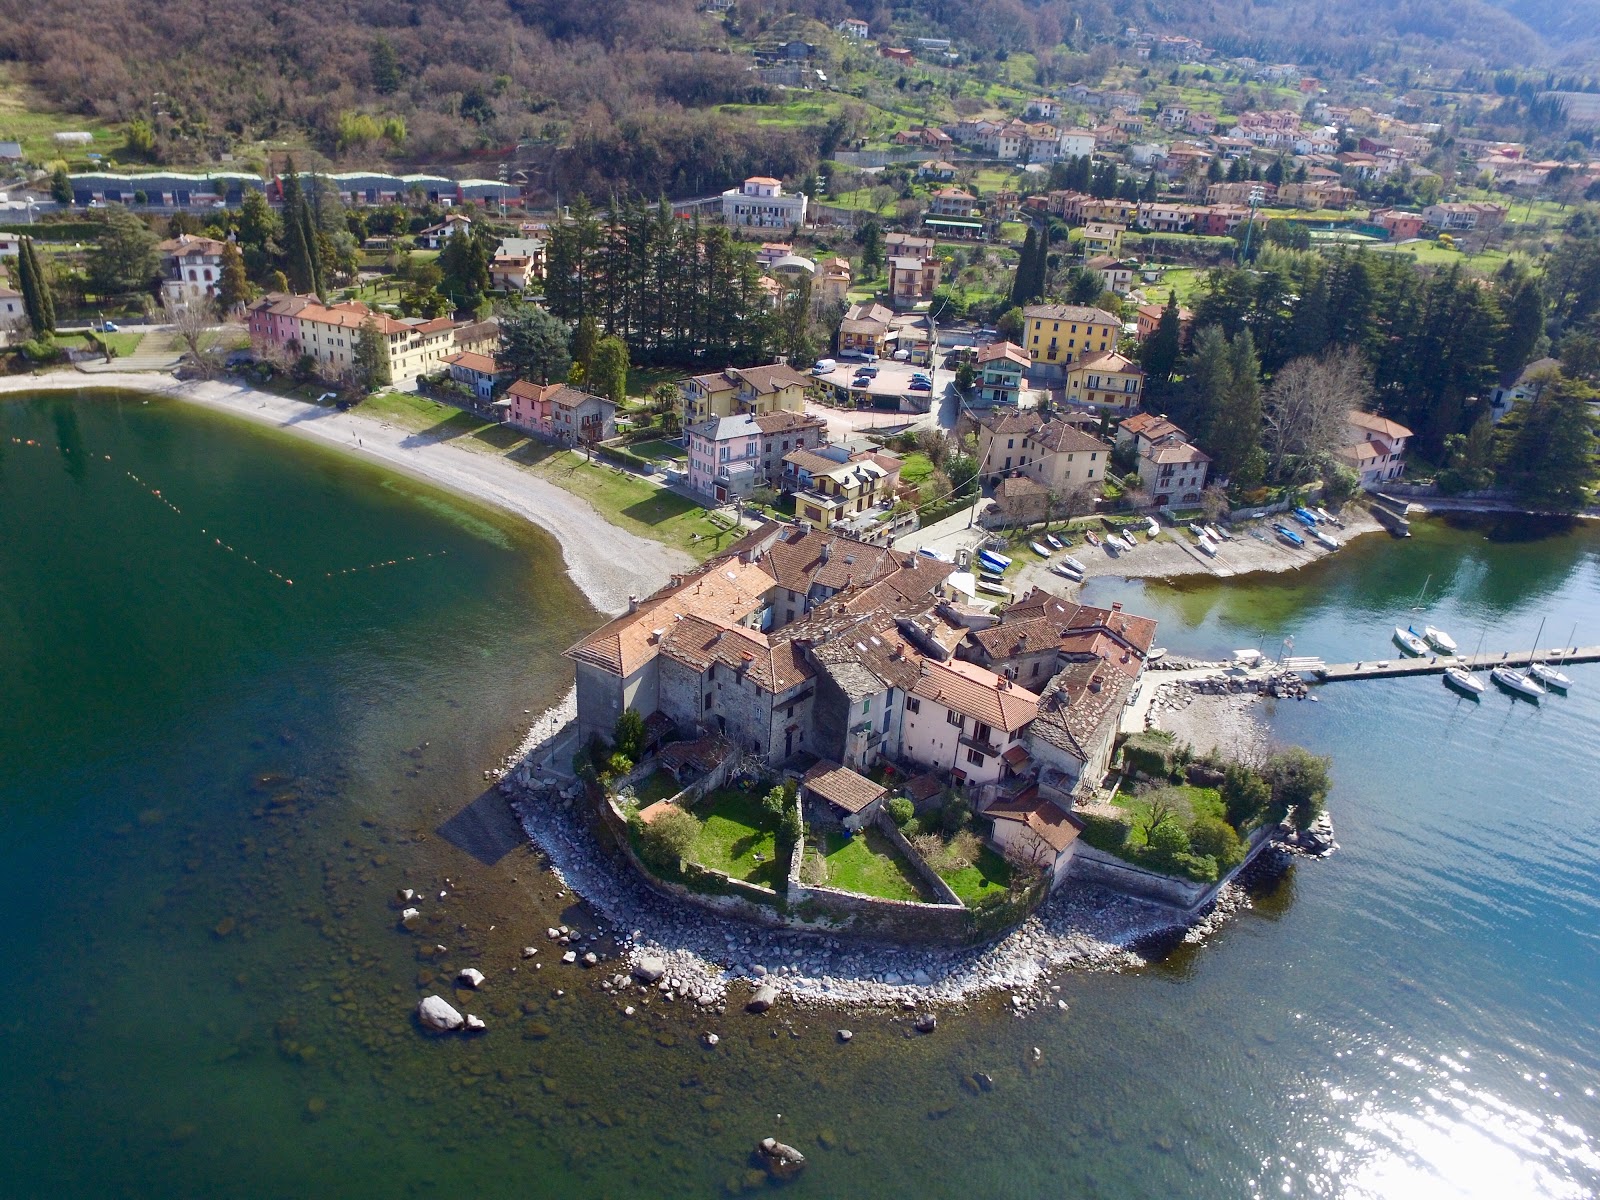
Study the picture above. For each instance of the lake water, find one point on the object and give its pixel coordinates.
(213, 782)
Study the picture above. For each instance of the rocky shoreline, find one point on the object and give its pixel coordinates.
(696, 957)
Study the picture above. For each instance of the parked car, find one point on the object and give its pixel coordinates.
(920, 385)
(866, 372)
(110, 327)
(824, 365)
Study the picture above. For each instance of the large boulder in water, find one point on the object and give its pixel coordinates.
(781, 1161)
(764, 998)
(437, 1016)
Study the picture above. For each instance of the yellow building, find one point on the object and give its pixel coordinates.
(830, 490)
(754, 390)
(1102, 237)
(1056, 335)
(329, 333)
(1108, 380)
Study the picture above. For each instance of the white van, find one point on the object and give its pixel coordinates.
(824, 365)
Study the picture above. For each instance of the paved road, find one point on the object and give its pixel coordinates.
(949, 535)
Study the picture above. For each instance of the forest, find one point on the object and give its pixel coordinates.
(628, 88)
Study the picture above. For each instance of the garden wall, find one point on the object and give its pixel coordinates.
(1107, 870)
(924, 872)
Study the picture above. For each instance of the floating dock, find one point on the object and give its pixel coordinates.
(1435, 664)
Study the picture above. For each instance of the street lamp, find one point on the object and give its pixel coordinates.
(1256, 196)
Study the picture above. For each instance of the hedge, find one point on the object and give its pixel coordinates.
(625, 458)
(59, 231)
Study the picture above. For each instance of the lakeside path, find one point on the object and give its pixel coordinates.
(608, 564)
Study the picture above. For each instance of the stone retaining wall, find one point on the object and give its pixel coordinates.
(1096, 866)
(924, 871)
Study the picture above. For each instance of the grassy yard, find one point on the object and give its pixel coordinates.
(122, 344)
(658, 450)
(632, 504)
(658, 785)
(27, 117)
(916, 469)
(869, 865)
(643, 380)
(987, 879)
(1431, 253)
(736, 837)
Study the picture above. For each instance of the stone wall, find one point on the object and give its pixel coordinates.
(1096, 866)
(926, 873)
(871, 916)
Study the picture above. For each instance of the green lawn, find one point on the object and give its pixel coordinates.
(122, 344)
(986, 880)
(916, 469)
(869, 865)
(658, 450)
(736, 837)
(629, 502)
(1431, 253)
(658, 785)
(643, 380)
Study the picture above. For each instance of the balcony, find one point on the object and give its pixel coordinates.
(972, 743)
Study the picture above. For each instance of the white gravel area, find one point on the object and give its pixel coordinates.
(607, 563)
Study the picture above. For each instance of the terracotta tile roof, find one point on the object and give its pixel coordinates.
(1175, 452)
(703, 754)
(1003, 421)
(922, 788)
(726, 590)
(1080, 706)
(975, 692)
(1149, 426)
(468, 361)
(1108, 360)
(1373, 423)
(1058, 437)
(841, 787)
(998, 350)
(1043, 817)
(1070, 312)
(788, 422)
(699, 643)
(1016, 487)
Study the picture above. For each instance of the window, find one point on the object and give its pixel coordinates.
(975, 758)
(955, 718)
(866, 706)
(708, 699)
(913, 705)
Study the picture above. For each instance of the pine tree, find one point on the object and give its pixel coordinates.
(37, 300)
(585, 338)
(1159, 355)
(1549, 445)
(1234, 435)
(1208, 374)
(371, 356)
(1524, 313)
(533, 343)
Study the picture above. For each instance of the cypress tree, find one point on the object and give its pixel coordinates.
(1160, 352)
(36, 298)
(298, 243)
(1022, 286)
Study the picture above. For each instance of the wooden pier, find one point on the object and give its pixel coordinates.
(1435, 664)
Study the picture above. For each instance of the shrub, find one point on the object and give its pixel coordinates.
(1149, 753)
(1299, 782)
(1216, 838)
(1245, 794)
(628, 736)
(954, 815)
(669, 838)
(776, 803)
(900, 810)
(792, 828)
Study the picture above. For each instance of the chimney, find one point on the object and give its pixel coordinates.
(633, 604)
(827, 551)
(1116, 606)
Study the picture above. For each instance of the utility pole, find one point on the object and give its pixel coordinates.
(1256, 196)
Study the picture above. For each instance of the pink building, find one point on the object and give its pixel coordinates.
(725, 457)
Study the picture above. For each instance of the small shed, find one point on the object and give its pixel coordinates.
(853, 799)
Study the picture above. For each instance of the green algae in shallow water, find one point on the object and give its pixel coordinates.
(454, 513)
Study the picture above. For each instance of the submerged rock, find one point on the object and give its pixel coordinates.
(410, 919)
(926, 1023)
(781, 1161)
(437, 1015)
(471, 977)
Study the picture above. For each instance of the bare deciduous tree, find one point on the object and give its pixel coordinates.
(191, 323)
(1307, 405)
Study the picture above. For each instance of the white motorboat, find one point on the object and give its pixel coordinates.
(1129, 541)
(1068, 560)
(1155, 527)
(1439, 639)
(1067, 572)
(1328, 516)
(1216, 534)
(1464, 681)
(1515, 681)
(1157, 653)
(1410, 642)
(1052, 541)
(1325, 539)
(1207, 546)
(1040, 549)
(1550, 676)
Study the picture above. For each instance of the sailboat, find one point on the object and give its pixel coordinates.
(1515, 681)
(1464, 681)
(1551, 677)
(1410, 642)
(1422, 595)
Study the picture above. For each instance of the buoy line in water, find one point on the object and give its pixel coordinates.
(229, 547)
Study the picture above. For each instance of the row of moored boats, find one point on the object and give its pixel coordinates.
(1533, 682)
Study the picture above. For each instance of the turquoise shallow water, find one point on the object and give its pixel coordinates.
(212, 783)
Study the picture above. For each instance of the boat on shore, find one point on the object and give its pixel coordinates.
(1089, 536)
(993, 562)
(1040, 549)
(1465, 682)
(1517, 683)
(1072, 574)
(1410, 642)
(1155, 527)
(1052, 541)
(1289, 535)
(1324, 539)
(1069, 561)
(1328, 517)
